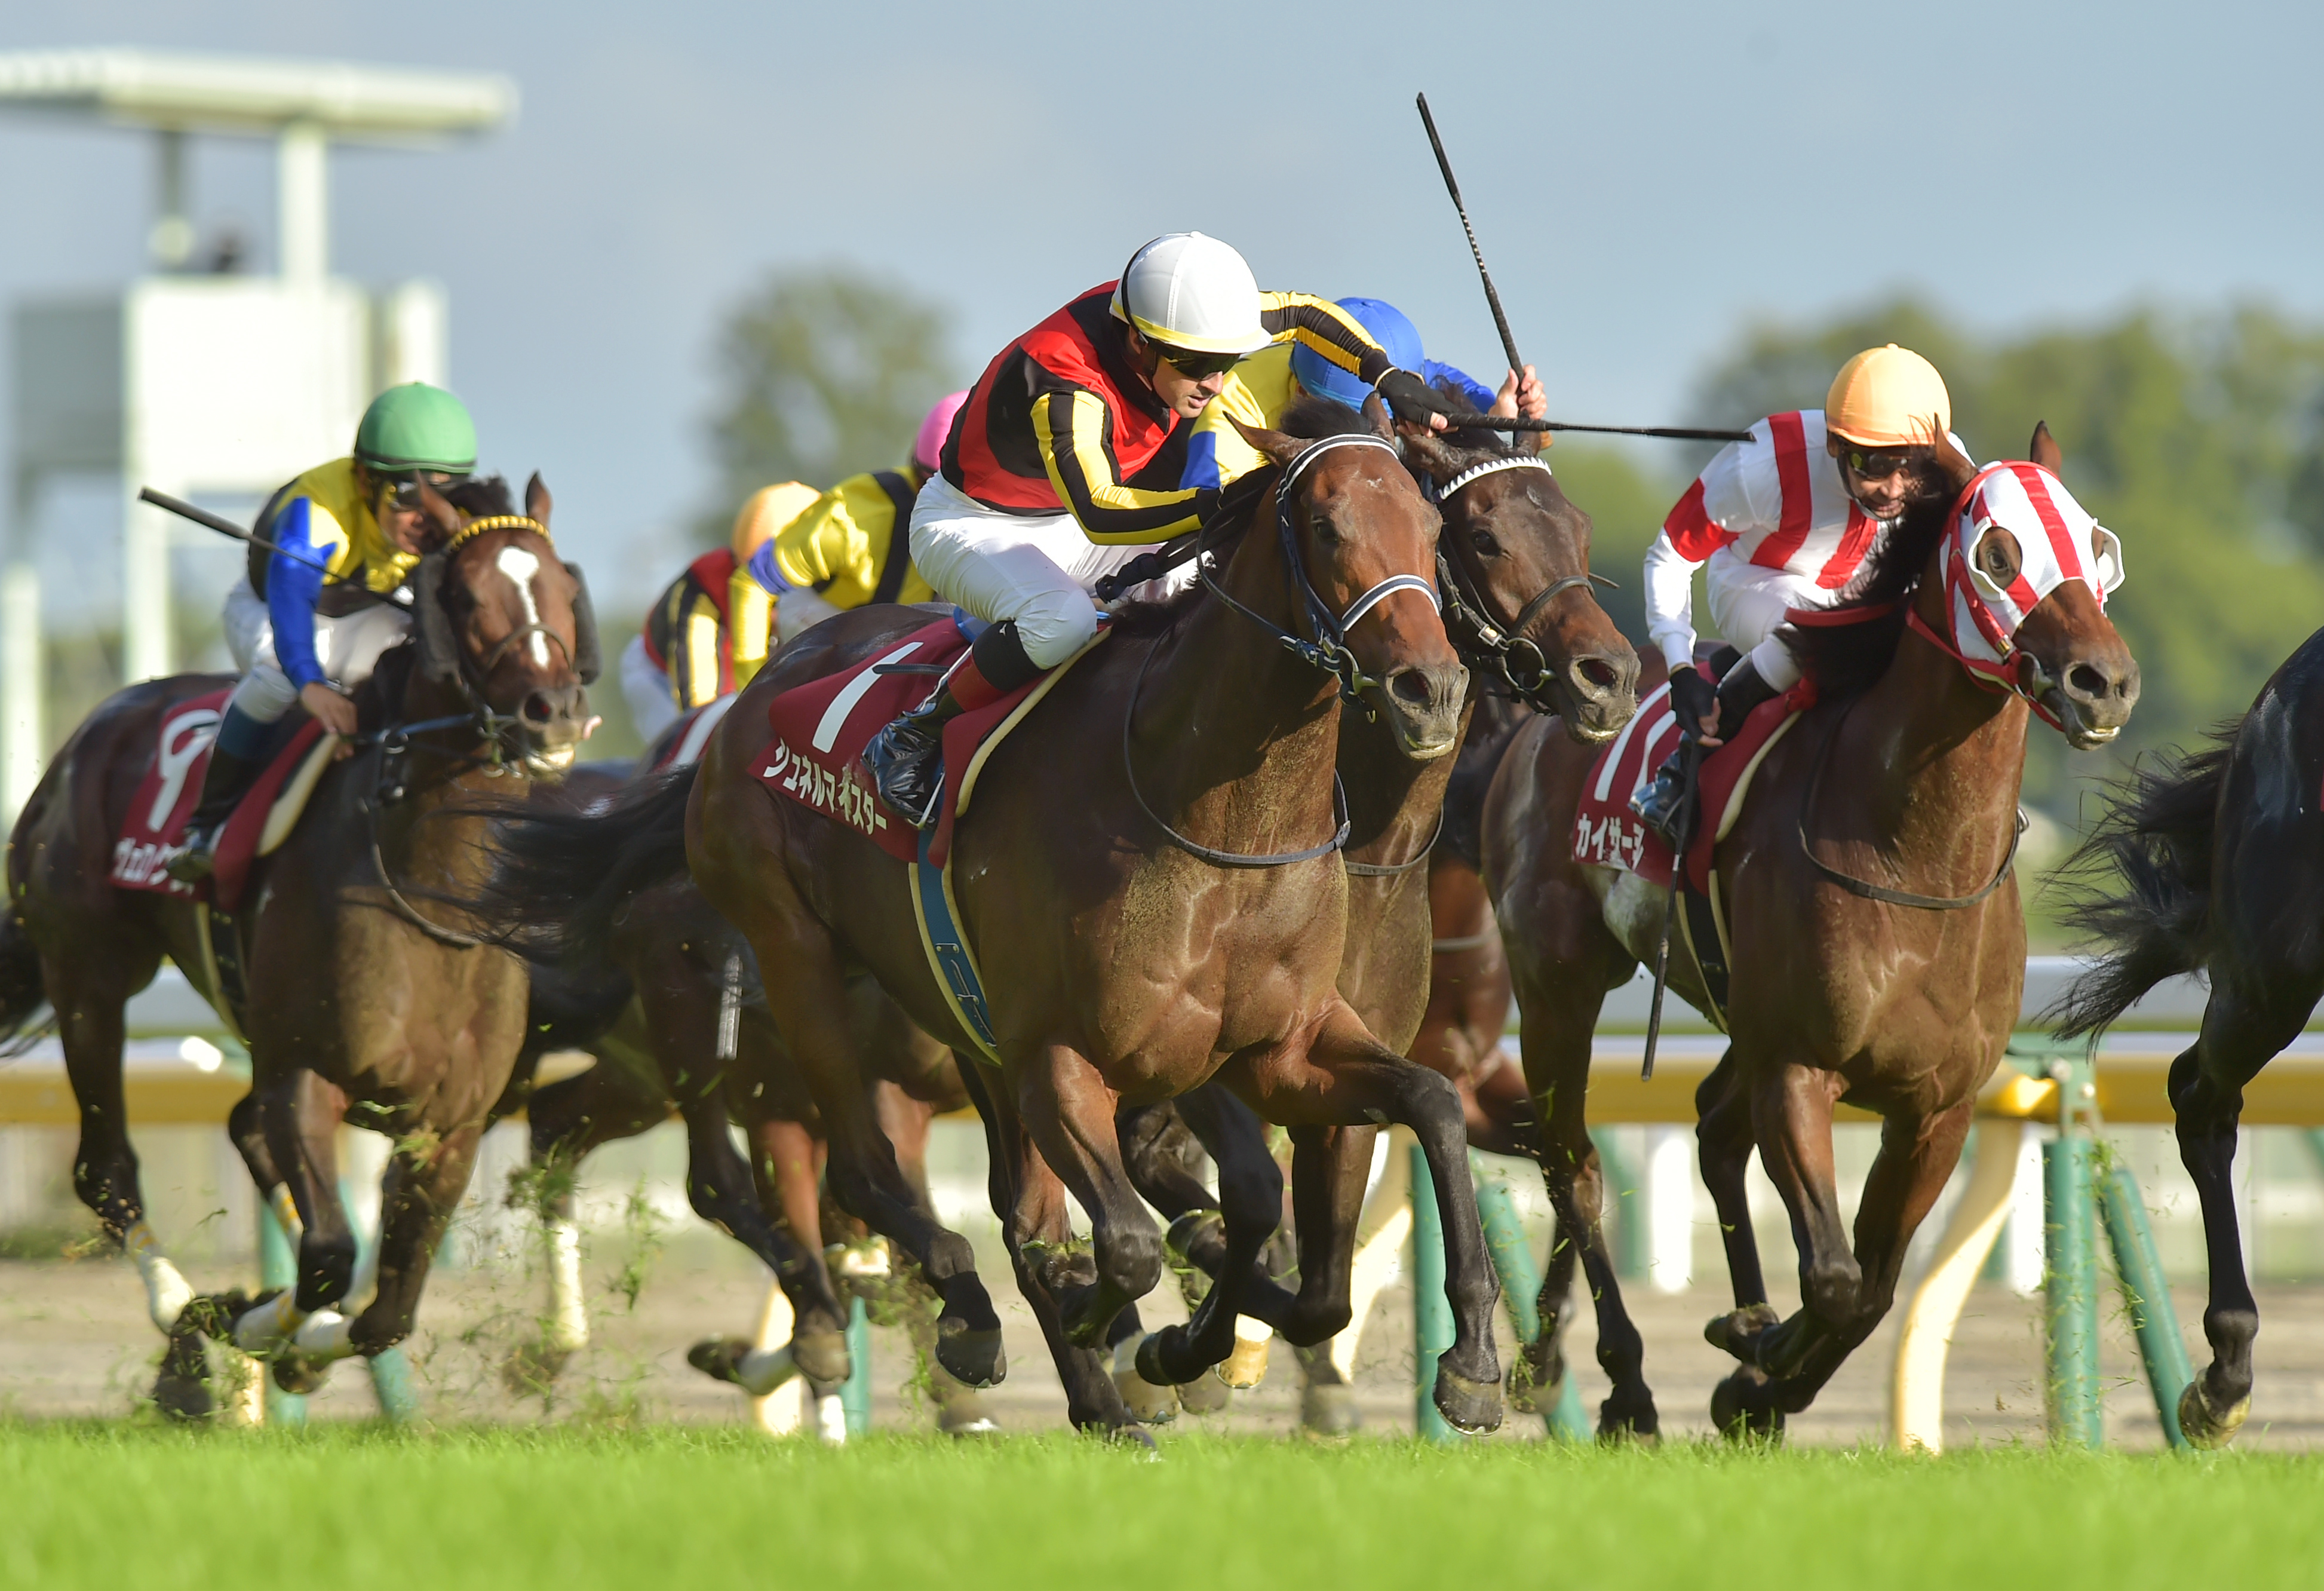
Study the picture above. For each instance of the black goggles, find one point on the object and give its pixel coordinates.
(404, 489)
(1877, 464)
(1196, 366)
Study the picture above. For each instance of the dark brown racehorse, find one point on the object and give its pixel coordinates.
(1878, 947)
(367, 991)
(1123, 959)
(2214, 863)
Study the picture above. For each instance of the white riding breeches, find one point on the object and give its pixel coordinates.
(1749, 602)
(1036, 570)
(653, 704)
(348, 647)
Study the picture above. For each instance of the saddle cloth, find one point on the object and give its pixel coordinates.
(681, 744)
(1608, 834)
(154, 830)
(821, 727)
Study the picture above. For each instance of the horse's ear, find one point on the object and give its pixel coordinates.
(440, 513)
(1376, 412)
(1427, 451)
(2043, 449)
(1951, 460)
(537, 500)
(1280, 450)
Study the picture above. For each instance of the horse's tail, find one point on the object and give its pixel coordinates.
(560, 878)
(22, 997)
(2139, 886)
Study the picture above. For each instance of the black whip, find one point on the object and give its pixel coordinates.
(1690, 764)
(1493, 299)
(227, 527)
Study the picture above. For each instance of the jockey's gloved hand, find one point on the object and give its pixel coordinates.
(1411, 398)
(1693, 697)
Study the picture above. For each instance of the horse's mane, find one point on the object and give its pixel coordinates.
(480, 496)
(1847, 659)
(377, 698)
(1310, 418)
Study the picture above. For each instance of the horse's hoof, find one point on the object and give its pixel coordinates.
(1328, 1411)
(300, 1376)
(1738, 1332)
(1246, 1366)
(1535, 1376)
(963, 1415)
(2204, 1427)
(181, 1397)
(1138, 1441)
(1205, 1395)
(972, 1358)
(1743, 1409)
(1470, 1407)
(718, 1356)
(822, 1356)
(1149, 1397)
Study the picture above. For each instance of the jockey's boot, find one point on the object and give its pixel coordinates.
(1661, 803)
(222, 788)
(906, 759)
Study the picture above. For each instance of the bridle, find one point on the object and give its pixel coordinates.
(1326, 648)
(1480, 637)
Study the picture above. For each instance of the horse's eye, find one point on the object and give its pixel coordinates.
(1486, 543)
(1997, 556)
(1326, 531)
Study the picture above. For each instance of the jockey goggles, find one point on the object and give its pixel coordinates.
(1877, 464)
(405, 488)
(1193, 366)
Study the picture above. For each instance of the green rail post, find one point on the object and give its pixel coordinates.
(391, 1368)
(2146, 1295)
(1632, 1245)
(2069, 1288)
(856, 1391)
(278, 1267)
(1505, 1239)
(1432, 1312)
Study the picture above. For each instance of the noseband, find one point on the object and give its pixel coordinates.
(1520, 662)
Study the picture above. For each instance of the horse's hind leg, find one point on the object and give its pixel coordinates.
(425, 1177)
(1723, 1131)
(1037, 1225)
(1069, 1112)
(2245, 1022)
(1250, 1200)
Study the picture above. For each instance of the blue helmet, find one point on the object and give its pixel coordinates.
(1388, 328)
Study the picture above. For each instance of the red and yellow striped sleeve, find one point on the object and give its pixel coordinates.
(1071, 426)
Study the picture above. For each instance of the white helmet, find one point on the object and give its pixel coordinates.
(1192, 293)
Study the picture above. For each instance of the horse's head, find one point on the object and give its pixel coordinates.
(1359, 551)
(1515, 558)
(508, 624)
(2026, 573)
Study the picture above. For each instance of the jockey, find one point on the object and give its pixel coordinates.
(1268, 383)
(1782, 521)
(845, 551)
(1052, 472)
(686, 653)
(294, 622)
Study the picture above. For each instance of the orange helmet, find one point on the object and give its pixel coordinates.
(1888, 397)
(766, 512)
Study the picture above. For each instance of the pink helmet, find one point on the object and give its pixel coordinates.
(927, 448)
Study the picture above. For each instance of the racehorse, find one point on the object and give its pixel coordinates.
(1127, 952)
(1877, 950)
(364, 990)
(2216, 861)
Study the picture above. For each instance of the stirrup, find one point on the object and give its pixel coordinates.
(199, 860)
(1661, 802)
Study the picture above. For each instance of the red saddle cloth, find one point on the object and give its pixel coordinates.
(821, 727)
(1608, 834)
(154, 830)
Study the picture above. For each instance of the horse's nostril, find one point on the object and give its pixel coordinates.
(1598, 671)
(2086, 680)
(538, 709)
(1410, 685)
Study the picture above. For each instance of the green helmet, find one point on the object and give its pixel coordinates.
(416, 426)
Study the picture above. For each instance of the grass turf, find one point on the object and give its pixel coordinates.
(351, 1508)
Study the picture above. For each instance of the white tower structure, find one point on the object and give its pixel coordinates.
(226, 386)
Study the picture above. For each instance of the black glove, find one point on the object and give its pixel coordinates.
(1693, 697)
(1410, 397)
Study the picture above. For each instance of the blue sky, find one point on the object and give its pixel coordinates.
(1645, 179)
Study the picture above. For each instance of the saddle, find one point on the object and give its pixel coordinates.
(1608, 834)
(154, 830)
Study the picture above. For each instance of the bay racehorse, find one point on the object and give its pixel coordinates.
(365, 991)
(1122, 958)
(2213, 863)
(1876, 944)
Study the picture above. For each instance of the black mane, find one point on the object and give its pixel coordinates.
(480, 496)
(1845, 659)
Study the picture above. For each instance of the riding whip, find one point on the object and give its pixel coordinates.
(227, 527)
(1690, 767)
(1492, 298)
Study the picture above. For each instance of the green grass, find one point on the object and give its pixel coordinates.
(347, 1508)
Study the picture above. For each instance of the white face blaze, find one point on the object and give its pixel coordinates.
(522, 568)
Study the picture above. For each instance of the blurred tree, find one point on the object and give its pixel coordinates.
(1625, 502)
(828, 373)
(2199, 440)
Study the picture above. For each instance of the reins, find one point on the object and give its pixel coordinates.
(1865, 887)
(1328, 652)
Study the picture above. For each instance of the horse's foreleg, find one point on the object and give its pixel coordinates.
(1349, 1077)
(1329, 1168)
(425, 1177)
(1037, 1225)
(300, 1113)
(1722, 1132)
(1791, 1116)
(2243, 1030)
(1067, 1110)
(1250, 1201)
